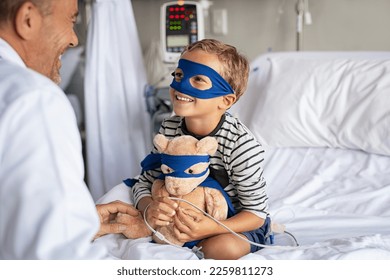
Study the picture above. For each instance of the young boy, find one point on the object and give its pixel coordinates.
(210, 78)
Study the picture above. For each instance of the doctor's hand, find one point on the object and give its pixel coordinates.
(192, 225)
(118, 217)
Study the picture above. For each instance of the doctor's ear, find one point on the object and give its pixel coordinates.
(28, 21)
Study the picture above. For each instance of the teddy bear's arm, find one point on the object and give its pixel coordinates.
(216, 204)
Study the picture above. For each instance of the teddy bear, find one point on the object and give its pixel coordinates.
(185, 165)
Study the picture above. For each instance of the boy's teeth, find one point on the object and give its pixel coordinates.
(183, 98)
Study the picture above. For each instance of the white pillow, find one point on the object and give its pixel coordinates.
(339, 100)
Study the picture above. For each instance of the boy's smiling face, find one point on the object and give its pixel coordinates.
(196, 108)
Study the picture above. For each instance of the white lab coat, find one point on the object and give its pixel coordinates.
(46, 211)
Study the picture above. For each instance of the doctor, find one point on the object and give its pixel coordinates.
(46, 211)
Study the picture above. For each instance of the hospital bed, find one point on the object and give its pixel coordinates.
(324, 119)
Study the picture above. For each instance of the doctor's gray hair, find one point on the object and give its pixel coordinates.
(9, 8)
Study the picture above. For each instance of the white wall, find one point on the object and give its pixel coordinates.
(254, 26)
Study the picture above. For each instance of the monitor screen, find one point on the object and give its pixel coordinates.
(177, 41)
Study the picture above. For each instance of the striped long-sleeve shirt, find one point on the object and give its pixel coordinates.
(237, 164)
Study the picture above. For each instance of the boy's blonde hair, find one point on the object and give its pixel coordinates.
(235, 66)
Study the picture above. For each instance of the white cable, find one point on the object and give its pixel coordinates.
(163, 238)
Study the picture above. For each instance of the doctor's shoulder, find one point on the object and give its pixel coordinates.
(21, 85)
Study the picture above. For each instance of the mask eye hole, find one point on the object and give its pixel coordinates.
(201, 82)
(178, 75)
(197, 168)
(166, 169)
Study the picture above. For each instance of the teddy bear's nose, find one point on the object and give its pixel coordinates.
(180, 186)
(171, 187)
(176, 190)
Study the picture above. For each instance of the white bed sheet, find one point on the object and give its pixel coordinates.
(336, 202)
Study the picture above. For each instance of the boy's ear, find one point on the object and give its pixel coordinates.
(228, 101)
(28, 20)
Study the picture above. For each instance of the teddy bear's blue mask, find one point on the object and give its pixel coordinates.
(181, 165)
(189, 69)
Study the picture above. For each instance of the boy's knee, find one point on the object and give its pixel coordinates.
(224, 247)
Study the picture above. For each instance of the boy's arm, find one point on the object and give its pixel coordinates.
(243, 221)
(191, 225)
(142, 191)
(246, 167)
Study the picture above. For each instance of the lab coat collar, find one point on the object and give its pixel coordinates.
(9, 54)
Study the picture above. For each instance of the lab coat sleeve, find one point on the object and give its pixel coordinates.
(47, 211)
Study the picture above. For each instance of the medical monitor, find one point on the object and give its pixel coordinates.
(180, 26)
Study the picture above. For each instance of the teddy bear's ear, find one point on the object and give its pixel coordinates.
(161, 142)
(207, 145)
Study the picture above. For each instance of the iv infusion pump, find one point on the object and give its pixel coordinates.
(181, 24)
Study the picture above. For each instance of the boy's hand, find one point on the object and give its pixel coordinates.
(192, 225)
(160, 212)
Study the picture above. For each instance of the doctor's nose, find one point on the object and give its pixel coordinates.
(74, 40)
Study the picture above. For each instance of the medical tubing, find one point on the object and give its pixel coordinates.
(163, 238)
(292, 236)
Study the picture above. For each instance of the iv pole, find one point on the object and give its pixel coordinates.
(300, 10)
(303, 18)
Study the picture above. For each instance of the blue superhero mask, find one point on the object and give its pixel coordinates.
(180, 163)
(191, 69)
